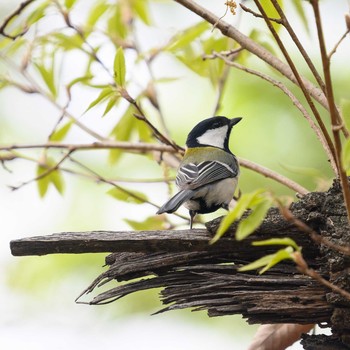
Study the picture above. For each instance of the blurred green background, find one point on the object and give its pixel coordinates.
(38, 309)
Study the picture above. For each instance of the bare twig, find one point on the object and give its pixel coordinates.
(304, 89)
(293, 98)
(335, 48)
(300, 47)
(335, 118)
(253, 47)
(288, 215)
(146, 147)
(14, 14)
(273, 175)
(258, 15)
(127, 146)
(304, 268)
(47, 172)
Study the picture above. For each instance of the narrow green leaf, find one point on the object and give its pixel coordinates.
(254, 220)
(37, 14)
(282, 254)
(263, 261)
(119, 67)
(241, 206)
(122, 132)
(151, 223)
(106, 92)
(126, 195)
(96, 12)
(111, 103)
(141, 9)
(269, 261)
(43, 183)
(67, 42)
(271, 12)
(48, 75)
(60, 134)
(84, 79)
(69, 3)
(186, 37)
(116, 25)
(57, 179)
(278, 241)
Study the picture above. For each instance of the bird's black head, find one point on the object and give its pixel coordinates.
(213, 132)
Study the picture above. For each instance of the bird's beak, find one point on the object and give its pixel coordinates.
(234, 121)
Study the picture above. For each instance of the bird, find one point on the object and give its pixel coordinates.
(208, 173)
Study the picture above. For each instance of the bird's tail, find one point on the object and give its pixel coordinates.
(174, 203)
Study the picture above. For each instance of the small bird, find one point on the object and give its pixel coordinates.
(208, 174)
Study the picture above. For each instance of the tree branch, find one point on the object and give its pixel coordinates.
(293, 98)
(254, 48)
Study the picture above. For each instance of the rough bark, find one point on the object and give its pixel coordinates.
(196, 275)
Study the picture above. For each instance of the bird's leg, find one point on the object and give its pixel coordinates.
(192, 215)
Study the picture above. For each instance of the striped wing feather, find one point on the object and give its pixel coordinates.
(192, 176)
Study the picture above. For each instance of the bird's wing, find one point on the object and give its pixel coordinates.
(192, 176)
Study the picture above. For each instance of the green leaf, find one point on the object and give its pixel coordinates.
(43, 183)
(37, 14)
(60, 134)
(151, 223)
(263, 261)
(278, 241)
(241, 206)
(96, 12)
(187, 37)
(126, 195)
(122, 132)
(48, 75)
(69, 3)
(269, 261)
(67, 42)
(141, 9)
(254, 220)
(56, 179)
(117, 24)
(271, 12)
(83, 79)
(345, 111)
(282, 254)
(111, 103)
(104, 94)
(119, 67)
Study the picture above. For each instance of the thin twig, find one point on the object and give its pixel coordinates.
(335, 118)
(127, 146)
(292, 97)
(146, 147)
(258, 15)
(298, 44)
(273, 175)
(14, 14)
(335, 48)
(304, 268)
(316, 237)
(300, 81)
(47, 172)
(253, 47)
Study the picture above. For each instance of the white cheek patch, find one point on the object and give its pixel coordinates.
(214, 137)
